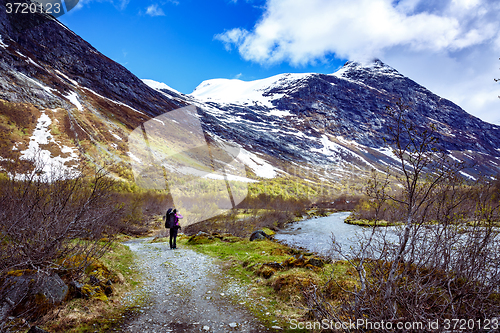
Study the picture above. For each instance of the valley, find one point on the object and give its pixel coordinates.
(91, 156)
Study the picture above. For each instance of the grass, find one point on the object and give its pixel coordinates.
(371, 223)
(278, 299)
(84, 315)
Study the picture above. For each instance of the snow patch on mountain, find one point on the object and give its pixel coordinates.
(454, 158)
(27, 78)
(467, 175)
(244, 92)
(113, 101)
(115, 136)
(375, 67)
(218, 175)
(330, 147)
(31, 61)
(24, 57)
(230, 178)
(280, 113)
(73, 98)
(260, 167)
(159, 85)
(51, 166)
(135, 158)
(73, 82)
(2, 44)
(387, 151)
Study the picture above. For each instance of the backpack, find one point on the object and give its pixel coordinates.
(166, 218)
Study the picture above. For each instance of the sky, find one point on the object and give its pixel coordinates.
(452, 47)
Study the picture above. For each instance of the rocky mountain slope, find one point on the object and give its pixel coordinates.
(63, 101)
(340, 119)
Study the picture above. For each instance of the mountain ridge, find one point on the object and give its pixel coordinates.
(61, 93)
(89, 102)
(346, 105)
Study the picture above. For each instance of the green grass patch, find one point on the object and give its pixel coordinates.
(371, 223)
(92, 315)
(278, 299)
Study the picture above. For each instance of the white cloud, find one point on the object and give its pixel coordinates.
(121, 4)
(234, 36)
(155, 10)
(301, 31)
(448, 32)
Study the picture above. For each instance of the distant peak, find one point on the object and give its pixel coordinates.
(373, 63)
(374, 66)
(241, 92)
(158, 85)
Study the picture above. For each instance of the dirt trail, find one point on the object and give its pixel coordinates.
(187, 292)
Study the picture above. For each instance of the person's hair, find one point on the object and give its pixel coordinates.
(174, 211)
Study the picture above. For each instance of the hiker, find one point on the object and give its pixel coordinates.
(174, 228)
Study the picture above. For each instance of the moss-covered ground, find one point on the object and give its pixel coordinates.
(100, 315)
(275, 296)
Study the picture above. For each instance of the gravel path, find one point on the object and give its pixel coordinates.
(187, 292)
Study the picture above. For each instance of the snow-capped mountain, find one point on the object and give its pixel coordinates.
(63, 100)
(239, 92)
(340, 119)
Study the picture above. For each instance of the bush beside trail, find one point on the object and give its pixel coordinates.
(55, 228)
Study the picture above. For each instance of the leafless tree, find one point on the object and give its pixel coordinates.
(443, 262)
(49, 219)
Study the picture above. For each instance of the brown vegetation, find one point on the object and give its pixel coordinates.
(258, 212)
(60, 225)
(443, 263)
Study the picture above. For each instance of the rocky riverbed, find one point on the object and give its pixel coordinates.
(187, 291)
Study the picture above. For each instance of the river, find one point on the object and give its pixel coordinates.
(315, 235)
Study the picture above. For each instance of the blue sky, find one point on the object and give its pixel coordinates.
(176, 42)
(449, 46)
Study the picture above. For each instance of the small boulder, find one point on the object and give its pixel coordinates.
(108, 288)
(259, 234)
(316, 262)
(37, 292)
(75, 289)
(94, 280)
